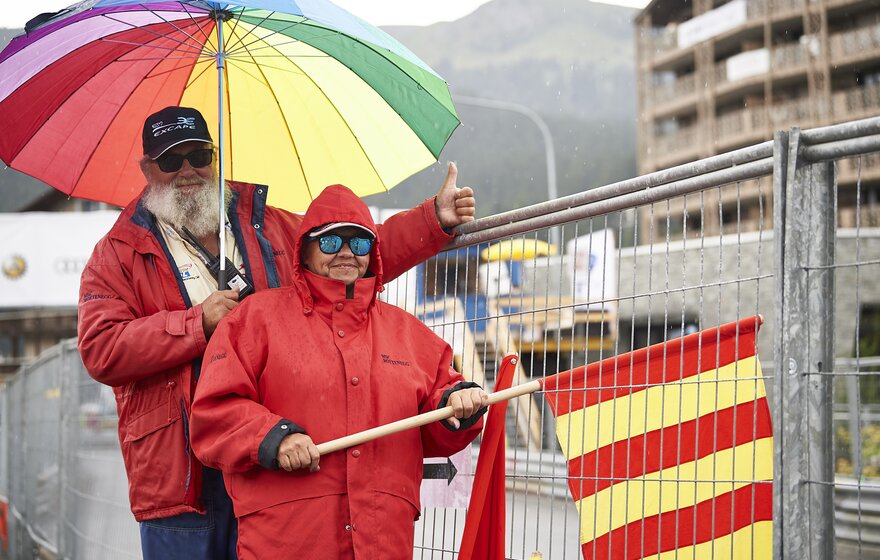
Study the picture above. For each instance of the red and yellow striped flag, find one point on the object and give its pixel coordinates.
(670, 448)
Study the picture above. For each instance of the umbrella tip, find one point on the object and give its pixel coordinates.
(221, 14)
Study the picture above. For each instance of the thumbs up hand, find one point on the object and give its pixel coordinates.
(454, 205)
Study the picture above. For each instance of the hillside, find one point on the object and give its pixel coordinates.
(571, 61)
(559, 57)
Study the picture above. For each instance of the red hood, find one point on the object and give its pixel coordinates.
(336, 203)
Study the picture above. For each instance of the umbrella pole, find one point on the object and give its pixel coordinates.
(221, 231)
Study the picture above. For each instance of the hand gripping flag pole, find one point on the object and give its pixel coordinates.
(421, 420)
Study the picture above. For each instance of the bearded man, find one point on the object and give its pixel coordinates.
(149, 303)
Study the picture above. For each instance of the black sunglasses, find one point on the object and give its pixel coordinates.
(330, 244)
(170, 162)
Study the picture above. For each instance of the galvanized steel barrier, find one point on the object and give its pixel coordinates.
(764, 230)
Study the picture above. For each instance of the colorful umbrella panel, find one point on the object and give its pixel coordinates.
(312, 96)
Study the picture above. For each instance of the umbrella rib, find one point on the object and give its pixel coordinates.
(370, 47)
(238, 46)
(241, 58)
(194, 77)
(196, 53)
(268, 46)
(240, 62)
(341, 118)
(244, 46)
(276, 45)
(201, 45)
(208, 43)
(231, 48)
(286, 124)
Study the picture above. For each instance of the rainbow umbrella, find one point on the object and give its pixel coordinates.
(302, 94)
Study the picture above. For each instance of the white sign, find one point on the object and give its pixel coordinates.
(43, 254)
(749, 63)
(441, 492)
(494, 278)
(593, 270)
(712, 23)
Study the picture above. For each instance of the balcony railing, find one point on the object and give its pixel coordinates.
(747, 121)
(788, 56)
(661, 40)
(785, 6)
(852, 102)
(756, 9)
(869, 216)
(851, 170)
(738, 126)
(682, 140)
(681, 87)
(848, 43)
(665, 39)
(790, 113)
(782, 57)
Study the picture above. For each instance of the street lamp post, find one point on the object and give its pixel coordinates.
(549, 152)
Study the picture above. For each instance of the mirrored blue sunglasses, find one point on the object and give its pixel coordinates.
(330, 244)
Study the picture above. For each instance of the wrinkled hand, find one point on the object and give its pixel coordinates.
(298, 451)
(465, 403)
(215, 307)
(454, 205)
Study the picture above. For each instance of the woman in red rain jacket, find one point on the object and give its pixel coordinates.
(314, 362)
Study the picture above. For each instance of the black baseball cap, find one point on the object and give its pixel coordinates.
(172, 126)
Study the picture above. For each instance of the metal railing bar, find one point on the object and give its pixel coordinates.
(98, 499)
(644, 480)
(868, 487)
(32, 531)
(844, 131)
(842, 265)
(841, 373)
(841, 149)
(751, 170)
(712, 164)
(102, 544)
(651, 385)
(865, 361)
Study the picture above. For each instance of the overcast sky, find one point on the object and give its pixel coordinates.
(15, 13)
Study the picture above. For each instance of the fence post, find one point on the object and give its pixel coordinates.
(805, 231)
(68, 445)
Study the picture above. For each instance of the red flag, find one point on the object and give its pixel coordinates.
(484, 526)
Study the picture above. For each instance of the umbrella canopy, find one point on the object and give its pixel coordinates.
(518, 250)
(310, 96)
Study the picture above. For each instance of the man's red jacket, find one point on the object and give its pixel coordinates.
(139, 332)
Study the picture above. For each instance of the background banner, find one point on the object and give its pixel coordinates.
(42, 255)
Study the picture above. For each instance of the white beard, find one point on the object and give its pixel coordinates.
(196, 208)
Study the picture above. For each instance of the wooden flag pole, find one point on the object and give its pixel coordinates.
(420, 420)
